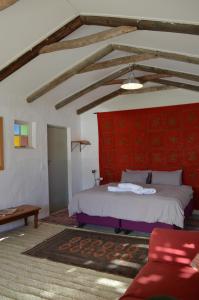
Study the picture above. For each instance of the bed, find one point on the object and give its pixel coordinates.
(167, 208)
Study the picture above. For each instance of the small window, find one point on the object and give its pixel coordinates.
(22, 134)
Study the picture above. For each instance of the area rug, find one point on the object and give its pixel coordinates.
(61, 217)
(98, 251)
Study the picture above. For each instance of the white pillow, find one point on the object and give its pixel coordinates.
(134, 177)
(149, 173)
(167, 177)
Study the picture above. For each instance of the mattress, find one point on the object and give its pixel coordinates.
(166, 206)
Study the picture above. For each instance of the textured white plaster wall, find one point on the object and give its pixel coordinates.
(25, 178)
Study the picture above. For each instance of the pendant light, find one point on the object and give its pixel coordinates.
(131, 83)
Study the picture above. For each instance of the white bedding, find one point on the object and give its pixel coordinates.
(166, 206)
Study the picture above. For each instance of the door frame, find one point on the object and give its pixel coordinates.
(68, 157)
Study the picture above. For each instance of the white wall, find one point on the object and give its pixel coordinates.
(25, 178)
(90, 155)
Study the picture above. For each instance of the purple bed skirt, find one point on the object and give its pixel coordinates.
(95, 220)
(84, 219)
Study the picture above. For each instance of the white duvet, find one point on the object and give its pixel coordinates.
(166, 206)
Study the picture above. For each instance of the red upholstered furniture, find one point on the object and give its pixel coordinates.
(168, 271)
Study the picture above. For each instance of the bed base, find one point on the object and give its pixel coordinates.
(118, 224)
(143, 226)
(84, 219)
(116, 229)
(127, 226)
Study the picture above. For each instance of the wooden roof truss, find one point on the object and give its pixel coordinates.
(135, 55)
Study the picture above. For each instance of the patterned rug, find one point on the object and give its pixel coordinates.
(109, 253)
(61, 217)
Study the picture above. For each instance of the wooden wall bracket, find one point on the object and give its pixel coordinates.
(81, 143)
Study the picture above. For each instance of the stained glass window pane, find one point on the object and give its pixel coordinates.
(24, 141)
(17, 141)
(16, 129)
(24, 130)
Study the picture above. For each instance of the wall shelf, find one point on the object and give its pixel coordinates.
(81, 143)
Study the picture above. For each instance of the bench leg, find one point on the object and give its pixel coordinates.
(36, 220)
(26, 221)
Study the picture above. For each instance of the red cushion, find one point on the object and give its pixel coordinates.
(176, 246)
(155, 279)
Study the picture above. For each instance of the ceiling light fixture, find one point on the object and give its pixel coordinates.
(131, 83)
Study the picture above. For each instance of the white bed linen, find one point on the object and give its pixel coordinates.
(166, 206)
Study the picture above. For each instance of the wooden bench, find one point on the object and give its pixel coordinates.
(22, 212)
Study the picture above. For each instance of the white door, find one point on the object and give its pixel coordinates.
(57, 168)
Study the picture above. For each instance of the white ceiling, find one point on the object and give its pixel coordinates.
(178, 10)
(27, 22)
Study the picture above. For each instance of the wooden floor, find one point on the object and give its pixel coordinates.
(29, 278)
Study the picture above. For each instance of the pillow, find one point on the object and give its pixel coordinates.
(167, 177)
(134, 177)
(195, 263)
(148, 180)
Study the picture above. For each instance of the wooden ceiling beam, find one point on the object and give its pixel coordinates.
(149, 77)
(188, 76)
(119, 61)
(141, 79)
(149, 89)
(99, 101)
(107, 21)
(121, 92)
(110, 79)
(142, 24)
(158, 53)
(88, 40)
(177, 84)
(115, 81)
(69, 73)
(34, 52)
(6, 3)
(92, 87)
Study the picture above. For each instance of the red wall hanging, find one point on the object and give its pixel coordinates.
(163, 138)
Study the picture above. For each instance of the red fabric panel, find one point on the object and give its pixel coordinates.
(157, 279)
(173, 246)
(163, 138)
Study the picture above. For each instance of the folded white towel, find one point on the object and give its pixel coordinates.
(139, 191)
(131, 186)
(144, 191)
(117, 189)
